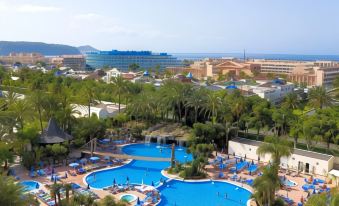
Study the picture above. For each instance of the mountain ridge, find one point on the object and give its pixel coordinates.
(46, 49)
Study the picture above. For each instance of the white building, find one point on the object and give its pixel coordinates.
(272, 91)
(110, 74)
(301, 160)
(102, 110)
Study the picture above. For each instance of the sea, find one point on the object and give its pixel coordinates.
(292, 57)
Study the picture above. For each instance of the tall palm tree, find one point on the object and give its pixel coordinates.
(89, 95)
(68, 188)
(120, 88)
(291, 101)
(196, 100)
(265, 186)
(276, 147)
(318, 97)
(212, 105)
(238, 106)
(36, 98)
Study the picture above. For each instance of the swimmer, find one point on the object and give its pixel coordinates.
(218, 194)
(225, 195)
(160, 150)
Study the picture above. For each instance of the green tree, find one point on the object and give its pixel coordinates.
(291, 101)
(12, 194)
(133, 67)
(276, 147)
(318, 97)
(6, 154)
(120, 88)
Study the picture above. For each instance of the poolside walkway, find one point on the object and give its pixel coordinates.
(295, 192)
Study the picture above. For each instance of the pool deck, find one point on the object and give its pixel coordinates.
(295, 193)
(24, 175)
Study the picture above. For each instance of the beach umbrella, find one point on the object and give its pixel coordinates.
(37, 186)
(314, 192)
(245, 157)
(233, 154)
(88, 187)
(55, 179)
(94, 158)
(138, 201)
(152, 183)
(250, 172)
(252, 162)
(66, 176)
(53, 170)
(74, 164)
(258, 158)
(114, 182)
(52, 177)
(228, 156)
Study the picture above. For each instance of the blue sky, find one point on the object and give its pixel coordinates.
(259, 26)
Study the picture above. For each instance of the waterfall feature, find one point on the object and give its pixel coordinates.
(147, 139)
(161, 140)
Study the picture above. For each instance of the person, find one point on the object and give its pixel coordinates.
(160, 150)
(225, 195)
(218, 194)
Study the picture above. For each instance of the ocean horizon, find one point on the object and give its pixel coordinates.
(292, 57)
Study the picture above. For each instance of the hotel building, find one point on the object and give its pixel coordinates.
(23, 58)
(75, 62)
(317, 73)
(123, 59)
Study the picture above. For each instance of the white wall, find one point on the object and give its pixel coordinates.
(316, 166)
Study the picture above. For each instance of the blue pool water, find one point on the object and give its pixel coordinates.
(175, 192)
(30, 185)
(202, 193)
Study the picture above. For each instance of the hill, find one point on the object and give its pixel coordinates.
(87, 48)
(7, 47)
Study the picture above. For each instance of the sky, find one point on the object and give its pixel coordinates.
(177, 26)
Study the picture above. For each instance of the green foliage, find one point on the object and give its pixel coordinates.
(13, 194)
(321, 199)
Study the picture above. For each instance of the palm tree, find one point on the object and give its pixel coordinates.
(13, 193)
(322, 199)
(196, 100)
(89, 95)
(276, 147)
(265, 186)
(120, 88)
(212, 105)
(296, 131)
(36, 99)
(291, 101)
(318, 97)
(20, 110)
(237, 107)
(67, 187)
(55, 192)
(6, 154)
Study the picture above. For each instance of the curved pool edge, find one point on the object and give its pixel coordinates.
(248, 188)
(129, 161)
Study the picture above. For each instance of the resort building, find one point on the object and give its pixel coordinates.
(304, 161)
(317, 73)
(123, 59)
(22, 58)
(273, 91)
(102, 110)
(75, 62)
(214, 67)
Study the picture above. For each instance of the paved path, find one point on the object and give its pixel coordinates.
(123, 156)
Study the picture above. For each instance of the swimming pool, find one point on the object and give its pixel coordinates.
(128, 197)
(30, 185)
(202, 193)
(175, 192)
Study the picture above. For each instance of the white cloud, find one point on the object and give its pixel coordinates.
(30, 8)
(88, 16)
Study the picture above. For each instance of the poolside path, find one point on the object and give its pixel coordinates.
(123, 156)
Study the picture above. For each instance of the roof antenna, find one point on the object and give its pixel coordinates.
(244, 55)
